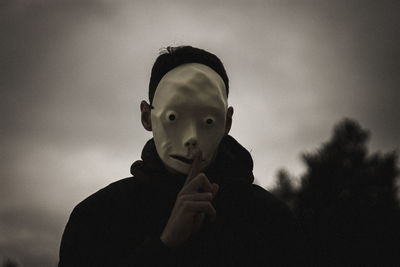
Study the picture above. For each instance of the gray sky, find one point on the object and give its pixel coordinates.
(72, 75)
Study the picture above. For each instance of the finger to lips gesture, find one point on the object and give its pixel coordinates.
(191, 205)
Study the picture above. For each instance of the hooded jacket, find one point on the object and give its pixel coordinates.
(121, 224)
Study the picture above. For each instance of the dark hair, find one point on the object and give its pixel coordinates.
(172, 57)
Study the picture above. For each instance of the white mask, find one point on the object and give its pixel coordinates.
(190, 107)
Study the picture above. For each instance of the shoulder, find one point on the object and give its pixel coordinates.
(265, 197)
(256, 201)
(266, 203)
(276, 220)
(106, 198)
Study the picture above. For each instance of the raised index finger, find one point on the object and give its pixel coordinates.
(195, 168)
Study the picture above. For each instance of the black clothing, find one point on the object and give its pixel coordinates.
(121, 224)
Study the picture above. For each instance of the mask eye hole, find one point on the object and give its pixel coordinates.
(209, 121)
(171, 117)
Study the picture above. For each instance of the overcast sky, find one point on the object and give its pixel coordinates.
(73, 75)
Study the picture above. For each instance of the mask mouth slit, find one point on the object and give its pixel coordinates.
(188, 161)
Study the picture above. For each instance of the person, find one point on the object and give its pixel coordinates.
(191, 200)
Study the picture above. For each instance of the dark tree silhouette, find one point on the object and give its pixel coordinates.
(347, 201)
(284, 188)
(9, 263)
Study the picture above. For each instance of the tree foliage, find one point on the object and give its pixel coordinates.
(347, 201)
(284, 188)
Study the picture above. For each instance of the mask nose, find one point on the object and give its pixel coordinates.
(191, 142)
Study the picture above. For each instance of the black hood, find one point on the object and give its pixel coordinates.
(233, 164)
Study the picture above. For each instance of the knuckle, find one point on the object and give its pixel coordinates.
(204, 180)
(200, 177)
(203, 177)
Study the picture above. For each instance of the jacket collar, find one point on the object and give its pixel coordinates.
(233, 164)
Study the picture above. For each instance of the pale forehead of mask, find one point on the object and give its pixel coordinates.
(190, 85)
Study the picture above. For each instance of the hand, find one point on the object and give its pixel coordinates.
(191, 205)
